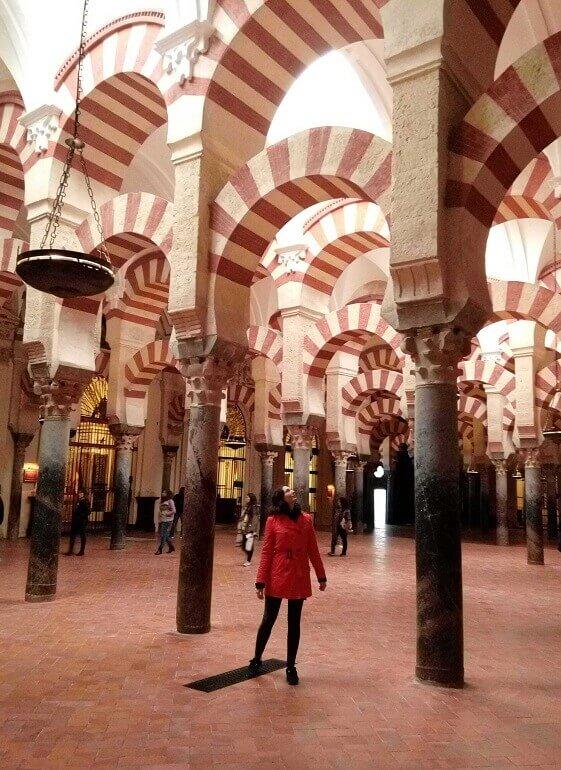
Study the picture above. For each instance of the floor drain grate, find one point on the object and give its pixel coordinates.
(228, 678)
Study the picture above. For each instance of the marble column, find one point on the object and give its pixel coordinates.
(340, 460)
(302, 439)
(551, 496)
(169, 453)
(267, 466)
(436, 353)
(208, 380)
(484, 498)
(53, 452)
(21, 442)
(474, 500)
(533, 495)
(125, 440)
(501, 470)
(358, 502)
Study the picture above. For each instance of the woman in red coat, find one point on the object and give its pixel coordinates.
(284, 573)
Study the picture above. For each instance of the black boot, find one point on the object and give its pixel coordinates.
(171, 547)
(255, 666)
(292, 675)
(158, 552)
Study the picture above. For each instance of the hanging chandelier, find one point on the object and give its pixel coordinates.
(58, 271)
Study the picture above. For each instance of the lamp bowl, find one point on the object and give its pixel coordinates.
(65, 273)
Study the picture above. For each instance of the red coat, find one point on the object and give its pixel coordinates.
(284, 570)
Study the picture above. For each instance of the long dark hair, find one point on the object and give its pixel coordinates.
(282, 508)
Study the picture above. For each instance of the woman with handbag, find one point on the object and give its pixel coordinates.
(341, 525)
(248, 527)
(284, 573)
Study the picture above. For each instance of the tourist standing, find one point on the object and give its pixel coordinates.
(248, 527)
(179, 502)
(79, 524)
(284, 573)
(341, 525)
(166, 514)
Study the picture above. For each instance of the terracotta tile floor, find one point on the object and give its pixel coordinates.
(95, 679)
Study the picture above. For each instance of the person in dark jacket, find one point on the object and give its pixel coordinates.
(284, 573)
(178, 501)
(248, 527)
(79, 524)
(341, 525)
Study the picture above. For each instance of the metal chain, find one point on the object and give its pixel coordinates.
(75, 145)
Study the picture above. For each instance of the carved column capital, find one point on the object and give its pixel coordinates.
(501, 467)
(57, 397)
(125, 436)
(302, 436)
(268, 458)
(208, 381)
(436, 353)
(341, 458)
(532, 458)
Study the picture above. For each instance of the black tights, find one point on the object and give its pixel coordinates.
(272, 607)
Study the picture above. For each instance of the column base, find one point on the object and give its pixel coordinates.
(440, 677)
(194, 630)
(536, 561)
(44, 596)
(502, 537)
(120, 546)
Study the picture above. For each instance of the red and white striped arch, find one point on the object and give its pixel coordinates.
(243, 395)
(532, 194)
(145, 365)
(513, 299)
(395, 428)
(260, 47)
(473, 407)
(369, 384)
(518, 116)
(380, 357)
(12, 156)
(347, 330)
(176, 416)
(9, 281)
(488, 373)
(275, 402)
(130, 223)
(146, 293)
(310, 167)
(264, 341)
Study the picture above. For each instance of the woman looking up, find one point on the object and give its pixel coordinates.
(284, 573)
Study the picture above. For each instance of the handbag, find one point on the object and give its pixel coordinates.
(249, 538)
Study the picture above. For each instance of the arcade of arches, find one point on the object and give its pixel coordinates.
(334, 229)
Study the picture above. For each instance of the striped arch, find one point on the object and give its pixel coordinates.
(347, 330)
(310, 167)
(513, 299)
(264, 341)
(380, 357)
(243, 395)
(275, 402)
(145, 297)
(521, 207)
(130, 222)
(9, 281)
(473, 407)
(145, 365)
(12, 157)
(546, 385)
(369, 384)
(260, 49)
(176, 416)
(395, 428)
(518, 116)
(488, 373)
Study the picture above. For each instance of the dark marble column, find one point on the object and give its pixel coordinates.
(267, 466)
(501, 470)
(125, 440)
(474, 499)
(169, 453)
(208, 381)
(358, 501)
(533, 495)
(302, 439)
(436, 353)
(551, 497)
(484, 498)
(57, 399)
(21, 442)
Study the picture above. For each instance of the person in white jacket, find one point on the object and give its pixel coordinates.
(167, 512)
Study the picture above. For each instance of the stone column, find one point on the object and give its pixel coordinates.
(533, 499)
(551, 494)
(484, 498)
(474, 499)
(267, 464)
(341, 460)
(302, 439)
(358, 506)
(125, 440)
(169, 453)
(57, 399)
(436, 353)
(21, 442)
(501, 470)
(208, 380)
